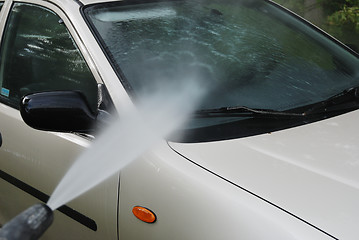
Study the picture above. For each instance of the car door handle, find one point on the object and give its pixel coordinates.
(0, 140)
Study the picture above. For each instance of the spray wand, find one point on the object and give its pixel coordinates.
(28, 225)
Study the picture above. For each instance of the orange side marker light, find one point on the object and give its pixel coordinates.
(144, 214)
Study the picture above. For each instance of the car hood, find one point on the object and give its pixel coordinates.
(311, 171)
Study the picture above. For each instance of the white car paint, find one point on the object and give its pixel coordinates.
(309, 170)
(192, 204)
(299, 183)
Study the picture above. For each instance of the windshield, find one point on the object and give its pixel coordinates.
(246, 53)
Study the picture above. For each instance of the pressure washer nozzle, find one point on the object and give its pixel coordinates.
(28, 225)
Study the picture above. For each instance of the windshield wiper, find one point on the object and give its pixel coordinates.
(243, 111)
(338, 102)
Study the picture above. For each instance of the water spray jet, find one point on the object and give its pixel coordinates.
(28, 225)
(137, 131)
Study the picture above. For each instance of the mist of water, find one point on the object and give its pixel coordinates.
(127, 138)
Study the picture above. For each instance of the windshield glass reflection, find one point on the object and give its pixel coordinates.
(246, 53)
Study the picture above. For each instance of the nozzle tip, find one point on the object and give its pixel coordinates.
(28, 225)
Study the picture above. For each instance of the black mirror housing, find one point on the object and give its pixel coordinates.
(60, 111)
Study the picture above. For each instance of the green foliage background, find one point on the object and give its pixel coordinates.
(342, 13)
(341, 17)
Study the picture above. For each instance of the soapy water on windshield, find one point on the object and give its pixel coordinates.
(138, 130)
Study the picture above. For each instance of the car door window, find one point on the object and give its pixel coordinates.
(38, 54)
(1, 3)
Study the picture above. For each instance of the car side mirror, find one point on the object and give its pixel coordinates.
(60, 111)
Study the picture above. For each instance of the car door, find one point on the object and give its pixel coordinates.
(40, 53)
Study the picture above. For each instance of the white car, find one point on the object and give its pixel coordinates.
(271, 152)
